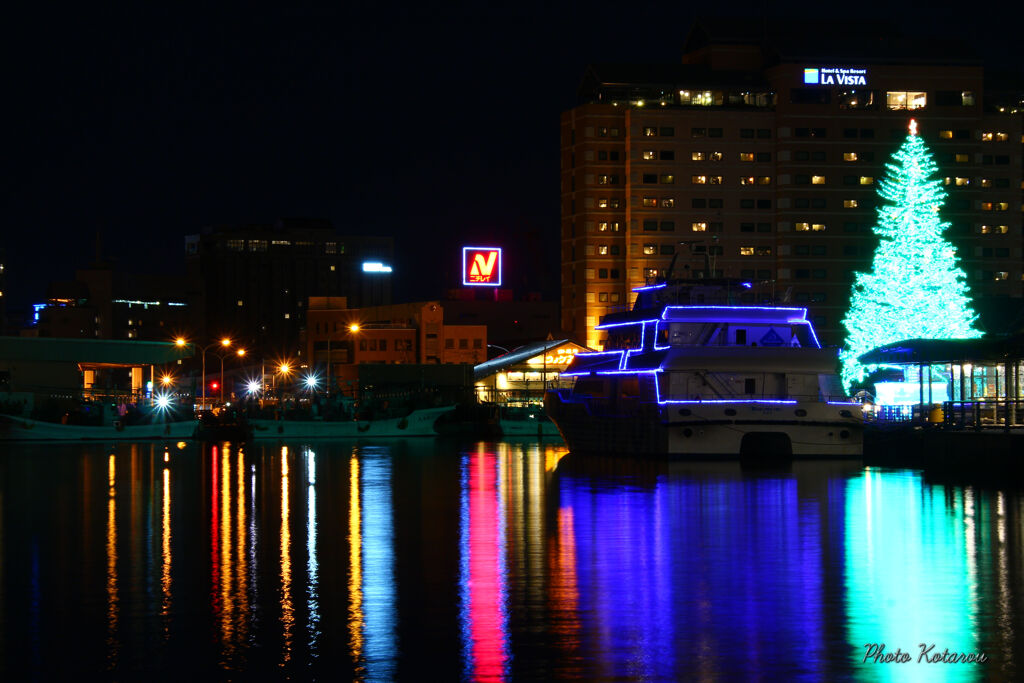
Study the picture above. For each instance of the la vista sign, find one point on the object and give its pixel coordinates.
(835, 75)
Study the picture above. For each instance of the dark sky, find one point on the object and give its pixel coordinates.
(435, 126)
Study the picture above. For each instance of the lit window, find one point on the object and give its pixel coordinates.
(746, 251)
(906, 100)
(602, 203)
(667, 179)
(1002, 275)
(763, 251)
(650, 201)
(1002, 137)
(602, 249)
(995, 229)
(746, 156)
(715, 156)
(764, 180)
(699, 226)
(287, 316)
(994, 206)
(588, 273)
(986, 182)
(602, 227)
(714, 180)
(817, 180)
(240, 303)
(801, 227)
(698, 179)
(849, 156)
(967, 98)
(962, 158)
(963, 181)
(650, 249)
(986, 137)
(867, 180)
(945, 135)
(697, 156)
(650, 272)
(650, 155)
(668, 203)
(849, 203)
(603, 179)
(817, 227)
(747, 180)
(650, 131)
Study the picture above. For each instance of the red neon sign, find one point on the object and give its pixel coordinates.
(481, 266)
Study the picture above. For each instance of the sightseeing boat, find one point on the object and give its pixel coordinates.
(690, 372)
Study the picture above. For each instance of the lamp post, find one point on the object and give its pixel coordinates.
(240, 353)
(225, 343)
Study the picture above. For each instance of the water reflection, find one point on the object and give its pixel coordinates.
(493, 562)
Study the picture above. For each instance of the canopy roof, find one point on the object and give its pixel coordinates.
(988, 349)
(91, 351)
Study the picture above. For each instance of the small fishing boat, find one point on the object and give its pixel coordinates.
(417, 423)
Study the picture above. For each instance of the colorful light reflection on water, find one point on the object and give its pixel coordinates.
(493, 562)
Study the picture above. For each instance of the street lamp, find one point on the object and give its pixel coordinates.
(240, 353)
(224, 343)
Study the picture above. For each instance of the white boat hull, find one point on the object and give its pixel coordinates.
(418, 423)
(720, 430)
(23, 429)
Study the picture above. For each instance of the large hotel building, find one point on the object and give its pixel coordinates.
(760, 160)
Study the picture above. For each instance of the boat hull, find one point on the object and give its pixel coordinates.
(417, 423)
(721, 430)
(24, 429)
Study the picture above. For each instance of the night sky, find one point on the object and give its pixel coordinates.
(436, 126)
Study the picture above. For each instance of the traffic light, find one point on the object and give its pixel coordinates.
(214, 386)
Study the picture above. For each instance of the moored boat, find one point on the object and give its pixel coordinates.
(417, 423)
(681, 377)
(529, 420)
(13, 428)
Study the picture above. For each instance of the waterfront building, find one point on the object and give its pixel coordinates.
(522, 375)
(339, 338)
(757, 157)
(252, 282)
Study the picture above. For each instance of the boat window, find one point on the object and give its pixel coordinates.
(749, 385)
(629, 387)
(589, 387)
(741, 337)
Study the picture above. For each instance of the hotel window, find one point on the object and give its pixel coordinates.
(236, 245)
(802, 155)
(667, 226)
(650, 178)
(714, 156)
(746, 156)
(714, 203)
(650, 201)
(994, 229)
(962, 158)
(763, 157)
(667, 249)
(602, 249)
(714, 132)
(764, 180)
(1001, 275)
(602, 227)
(650, 272)
(817, 227)
(817, 180)
(602, 203)
(668, 202)
(650, 226)
(698, 132)
(261, 245)
(666, 131)
(963, 181)
(697, 156)
(945, 135)
(698, 180)
(746, 251)
(699, 226)
(905, 99)
(650, 131)
(588, 273)
(604, 180)
(650, 249)
(714, 180)
(747, 180)
(763, 251)
(602, 297)
(801, 227)
(650, 155)
(849, 156)
(615, 297)
(746, 132)
(801, 179)
(867, 180)
(995, 206)
(667, 155)
(849, 203)
(667, 179)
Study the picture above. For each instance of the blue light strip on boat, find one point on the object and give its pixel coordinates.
(631, 322)
(650, 287)
(665, 313)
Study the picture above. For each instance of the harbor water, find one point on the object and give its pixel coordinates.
(445, 560)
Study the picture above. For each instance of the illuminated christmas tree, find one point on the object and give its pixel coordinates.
(915, 288)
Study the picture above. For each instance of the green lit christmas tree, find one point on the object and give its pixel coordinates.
(915, 289)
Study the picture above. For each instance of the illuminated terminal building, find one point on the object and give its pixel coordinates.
(760, 160)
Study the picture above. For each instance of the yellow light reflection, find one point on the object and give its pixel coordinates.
(241, 564)
(165, 537)
(287, 609)
(355, 563)
(227, 602)
(112, 602)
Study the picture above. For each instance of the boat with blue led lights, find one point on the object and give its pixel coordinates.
(693, 371)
